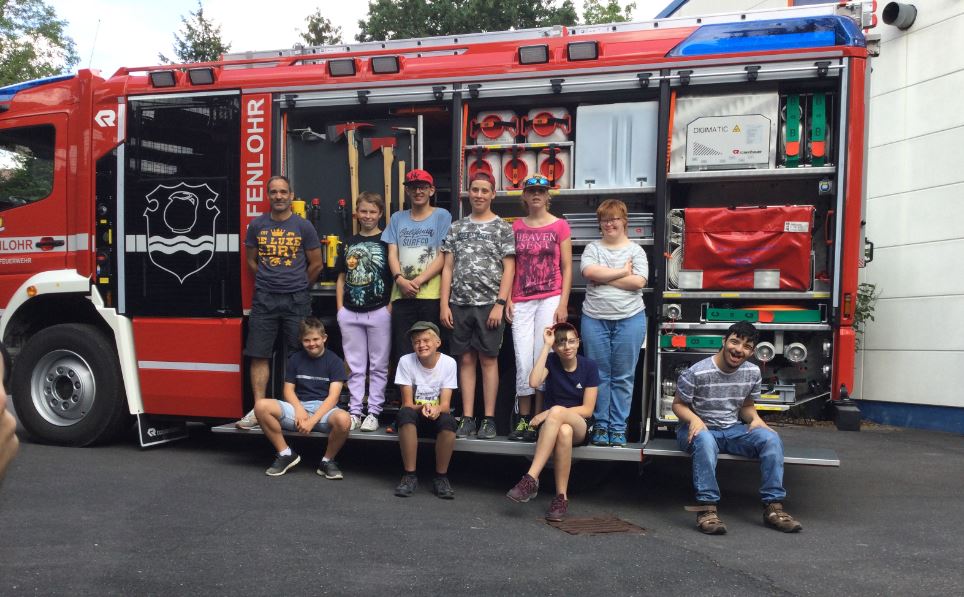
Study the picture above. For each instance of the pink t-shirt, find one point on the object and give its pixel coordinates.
(538, 269)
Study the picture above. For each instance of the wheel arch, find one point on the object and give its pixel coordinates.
(64, 296)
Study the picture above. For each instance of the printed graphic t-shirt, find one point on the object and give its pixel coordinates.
(427, 384)
(565, 388)
(313, 376)
(368, 279)
(478, 249)
(538, 272)
(281, 246)
(418, 244)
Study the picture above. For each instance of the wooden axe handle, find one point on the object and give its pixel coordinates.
(353, 173)
(388, 158)
(401, 185)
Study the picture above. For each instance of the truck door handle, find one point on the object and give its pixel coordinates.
(46, 243)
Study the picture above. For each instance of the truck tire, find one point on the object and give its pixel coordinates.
(67, 386)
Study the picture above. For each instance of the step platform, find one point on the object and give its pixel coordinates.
(632, 452)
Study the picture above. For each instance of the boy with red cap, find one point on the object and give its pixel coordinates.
(413, 237)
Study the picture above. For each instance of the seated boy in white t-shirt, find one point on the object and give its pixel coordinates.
(426, 379)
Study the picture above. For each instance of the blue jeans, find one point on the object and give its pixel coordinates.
(708, 444)
(614, 344)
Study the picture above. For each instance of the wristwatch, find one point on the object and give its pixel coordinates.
(500, 302)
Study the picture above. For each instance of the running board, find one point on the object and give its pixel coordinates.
(500, 445)
(791, 454)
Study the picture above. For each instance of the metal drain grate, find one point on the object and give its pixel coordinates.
(597, 526)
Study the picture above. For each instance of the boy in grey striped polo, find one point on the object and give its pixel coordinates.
(712, 397)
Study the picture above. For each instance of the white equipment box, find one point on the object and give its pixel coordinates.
(725, 132)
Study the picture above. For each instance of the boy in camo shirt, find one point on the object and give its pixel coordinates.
(712, 397)
(476, 282)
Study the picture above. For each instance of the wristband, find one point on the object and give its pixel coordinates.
(500, 302)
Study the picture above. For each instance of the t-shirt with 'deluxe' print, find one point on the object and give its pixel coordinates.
(538, 269)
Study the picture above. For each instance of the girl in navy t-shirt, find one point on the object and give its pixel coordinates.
(572, 382)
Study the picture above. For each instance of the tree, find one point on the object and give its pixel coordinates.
(199, 40)
(32, 42)
(320, 31)
(400, 19)
(594, 12)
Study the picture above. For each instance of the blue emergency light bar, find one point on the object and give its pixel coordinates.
(776, 34)
(7, 92)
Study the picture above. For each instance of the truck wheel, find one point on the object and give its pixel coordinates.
(67, 386)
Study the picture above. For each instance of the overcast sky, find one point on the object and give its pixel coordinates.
(132, 32)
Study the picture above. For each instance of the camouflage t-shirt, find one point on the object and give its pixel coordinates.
(478, 249)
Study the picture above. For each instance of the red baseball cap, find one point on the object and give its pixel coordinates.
(419, 176)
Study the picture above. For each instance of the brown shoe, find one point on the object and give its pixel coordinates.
(707, 521)
(774, 516)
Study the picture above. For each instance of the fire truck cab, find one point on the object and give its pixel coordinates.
(737, 142)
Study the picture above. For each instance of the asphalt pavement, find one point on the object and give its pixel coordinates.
(200, 517)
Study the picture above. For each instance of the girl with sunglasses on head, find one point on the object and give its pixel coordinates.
(540, 292)
(614, 318)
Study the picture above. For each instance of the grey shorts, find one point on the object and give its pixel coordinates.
(471, 332)
(271, 312)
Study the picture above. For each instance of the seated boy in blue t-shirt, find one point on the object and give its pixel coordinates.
(572, 383)
(313, 381)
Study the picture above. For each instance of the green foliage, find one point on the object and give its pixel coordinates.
(32, 42)
(867, 295)
(401, 19)
(199, 40)
(594, 12)
(320, 31)
(30, 179)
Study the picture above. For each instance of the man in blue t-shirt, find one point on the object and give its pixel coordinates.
(284, 254)
(712, 397)
(313, 381)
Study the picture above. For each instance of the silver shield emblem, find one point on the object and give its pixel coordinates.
(180, 228)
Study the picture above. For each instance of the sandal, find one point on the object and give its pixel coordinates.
(707, 520)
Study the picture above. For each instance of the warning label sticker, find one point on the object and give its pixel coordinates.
(796, 226)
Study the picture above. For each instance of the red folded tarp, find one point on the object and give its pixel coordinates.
(748, 248)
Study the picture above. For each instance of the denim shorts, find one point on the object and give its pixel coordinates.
(288, 415)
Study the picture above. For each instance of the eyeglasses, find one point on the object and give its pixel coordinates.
(418, 187)
(567, 342)
(536, 181)
(610, 222)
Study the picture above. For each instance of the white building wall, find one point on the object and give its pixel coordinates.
(914, 351)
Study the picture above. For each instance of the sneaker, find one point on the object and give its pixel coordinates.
(530, 435)
(707, 520)
(600, 437)
(442, 488)
(617, 439)
(355, 422)
(407, 486)
(558, 509)
(329, 470)
(281, 464)
(466, 427)
(775, 517)
(518, 434)
(526, 489)
(370, 423)
(248, 421)
(487, 428)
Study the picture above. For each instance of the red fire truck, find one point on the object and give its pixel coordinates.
(737, 141)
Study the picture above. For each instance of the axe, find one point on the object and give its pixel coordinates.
(335, 133)
(387, 146)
